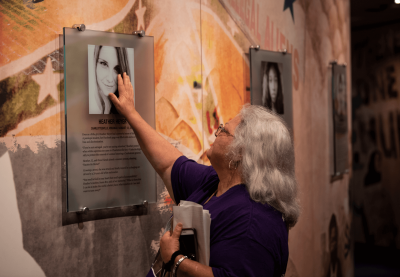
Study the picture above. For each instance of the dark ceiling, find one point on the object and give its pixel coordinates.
(373, 13)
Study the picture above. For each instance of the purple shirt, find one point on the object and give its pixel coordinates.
(247, 238)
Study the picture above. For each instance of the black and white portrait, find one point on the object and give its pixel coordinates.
(272, 88)
(104, 65)
(339, 113)
(271, 82)
(340, 102)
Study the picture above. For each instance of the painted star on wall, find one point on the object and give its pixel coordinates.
(48, 82)
(289, 4)
(140, 15)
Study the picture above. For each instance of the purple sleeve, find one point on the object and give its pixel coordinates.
(242, 257)
(187, 176)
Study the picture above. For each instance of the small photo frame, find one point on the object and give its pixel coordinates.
(271, 82)
(340, 132)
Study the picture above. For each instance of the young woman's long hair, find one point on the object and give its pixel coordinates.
(279, 98)
(122, 57)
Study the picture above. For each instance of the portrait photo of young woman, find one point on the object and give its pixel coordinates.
(104, 65)
(339, 100)
(272, 91)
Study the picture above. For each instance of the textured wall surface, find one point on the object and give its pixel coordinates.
(327, 38)
(204, 41)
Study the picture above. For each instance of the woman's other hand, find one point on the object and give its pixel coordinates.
(169, 243)
(125, 103)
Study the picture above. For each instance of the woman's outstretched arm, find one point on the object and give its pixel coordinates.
(160, 153)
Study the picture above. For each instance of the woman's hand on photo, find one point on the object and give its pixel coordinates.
(124, 103)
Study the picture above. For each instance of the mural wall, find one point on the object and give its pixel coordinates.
(203, 41)
(376, 136)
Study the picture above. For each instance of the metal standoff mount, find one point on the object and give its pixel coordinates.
(257, 47)
(283, 51)
(145, 204)
(84, 210)
(196, 84)
(140, 33)
(80, 27)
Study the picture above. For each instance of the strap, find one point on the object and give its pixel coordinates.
(168, 265)
(215, 192)
(174, 272)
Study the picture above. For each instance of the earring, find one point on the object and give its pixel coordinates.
(235, 163)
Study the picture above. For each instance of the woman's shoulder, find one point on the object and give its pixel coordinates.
(187, 177)
(191, 165)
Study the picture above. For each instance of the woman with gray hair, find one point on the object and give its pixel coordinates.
(250, 190)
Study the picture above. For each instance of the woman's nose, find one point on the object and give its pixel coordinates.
(111, 78)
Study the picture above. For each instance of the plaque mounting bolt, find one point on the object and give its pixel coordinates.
(257, 47)
(84, 210)
(145, 204)
(140, 33)
(80, 27)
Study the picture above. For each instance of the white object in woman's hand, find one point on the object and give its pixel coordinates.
(125, 103)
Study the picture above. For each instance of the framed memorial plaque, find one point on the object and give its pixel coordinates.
(339, 119)
(271, 82)
(105, 165)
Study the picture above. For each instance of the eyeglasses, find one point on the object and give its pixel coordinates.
(220, 129)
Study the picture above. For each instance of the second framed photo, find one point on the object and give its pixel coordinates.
(340, 120)
(271, 82)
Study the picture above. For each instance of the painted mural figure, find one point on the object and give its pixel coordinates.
(335, 269)
(272, 91)
(243, 197)
(377, 212)
(374, 169)
(108, 62)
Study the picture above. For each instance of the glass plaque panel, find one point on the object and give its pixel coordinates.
(105, 165)
(271, 82)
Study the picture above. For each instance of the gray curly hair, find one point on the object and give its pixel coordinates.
(264, 147)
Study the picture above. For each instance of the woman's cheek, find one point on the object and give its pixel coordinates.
(101, 72)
